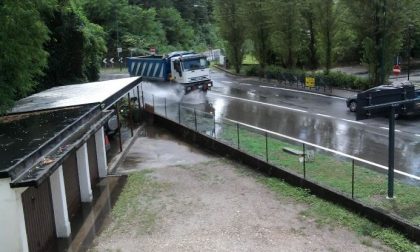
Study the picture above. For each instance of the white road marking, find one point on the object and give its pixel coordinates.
(305, 92)
(385, 128)
(262, 103)
(328, 116)
(227, 82)
(245, 84)
(418, 135)
(351, 121)
(327, 149)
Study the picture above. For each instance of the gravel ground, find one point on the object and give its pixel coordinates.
(207, 203)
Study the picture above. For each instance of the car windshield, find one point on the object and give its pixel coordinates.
(194, 64)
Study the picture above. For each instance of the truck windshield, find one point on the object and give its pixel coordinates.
(194, 64)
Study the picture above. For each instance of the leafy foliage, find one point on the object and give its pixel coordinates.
(379, 26)
(22, 57)
(305, 33)
(75, 48)
(232, 29)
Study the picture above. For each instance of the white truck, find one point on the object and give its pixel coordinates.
(189, 69)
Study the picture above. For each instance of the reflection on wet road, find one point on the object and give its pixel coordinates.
(318, 119)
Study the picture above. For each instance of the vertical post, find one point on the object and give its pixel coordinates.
(195, 119)
(166, 114)
(84, 174)
(266, 147)
(214, 126)
(153, 102)
(101, 153)
(142, 98)
(237, 130)
(119, 125)
(352, 179)
(138, 97)
(304, 161)
(58, 194)
(391, 147)
(130, 112)
(179, 113)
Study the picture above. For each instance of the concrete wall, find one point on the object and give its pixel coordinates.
(12, 220)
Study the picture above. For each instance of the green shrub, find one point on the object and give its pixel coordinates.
(251, 70)
(333, 79)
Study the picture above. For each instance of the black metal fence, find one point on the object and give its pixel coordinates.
(357, 178)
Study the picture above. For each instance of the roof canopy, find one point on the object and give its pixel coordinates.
(103, 92)
(42, 129)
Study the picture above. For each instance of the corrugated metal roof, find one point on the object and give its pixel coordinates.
(101, 92)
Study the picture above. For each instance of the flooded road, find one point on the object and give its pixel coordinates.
(319, 119)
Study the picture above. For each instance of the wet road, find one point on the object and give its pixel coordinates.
(320, 119)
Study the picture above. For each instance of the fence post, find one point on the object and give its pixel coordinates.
(179, 113)
(237, 130)
(138, 98)
(119, 125)
(214, 126)
(304, 161)
(130, 112)
(266, 147)
(195, 119)
(166, 114)
(352, 179)
(142, 98)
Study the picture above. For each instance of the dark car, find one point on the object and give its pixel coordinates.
(351, 102)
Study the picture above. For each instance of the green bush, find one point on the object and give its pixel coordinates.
(333, 79)
(251, 70)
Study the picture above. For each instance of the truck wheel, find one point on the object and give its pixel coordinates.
(353, 106)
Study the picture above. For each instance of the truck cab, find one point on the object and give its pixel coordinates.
(191, 70)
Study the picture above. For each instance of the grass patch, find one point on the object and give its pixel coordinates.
(325, 212)
(133, 207)
(250, 60)
(331, 171)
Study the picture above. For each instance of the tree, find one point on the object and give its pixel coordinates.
(22, 57)
(379, 25)
(257, 16)
(310, 16)
(178, 32)
(287, 31)
(76, 46)
(141, 29)
(327, 26)
(232, 29)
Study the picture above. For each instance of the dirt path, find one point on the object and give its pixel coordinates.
(191, 201)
